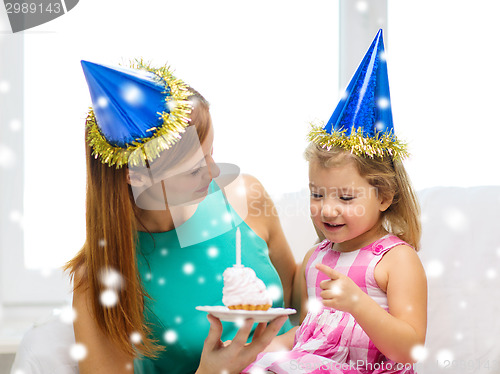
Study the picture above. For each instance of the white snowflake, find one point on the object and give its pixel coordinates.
(164, 252)
(46, 272)
(274, 292)
(201, 280)
(4, 87)
(383, 103)
(336, 289)
(135, 337)
(15, 125)
(419, 353)
(111, 278)
(434, 269)
(239, 322)
(7, 157)
(170, 336)
(132, 94)
(212, 252)
(102, 102)
(380, 126)
(444, 357)
(314, 305)
(109, 298)
(178, 319)
(161, 281)
(188, 268)
(362, 6)
(15, 216)
(78, 351)
(491, 273)
(455, 219)
(172, 104)
(67, 315)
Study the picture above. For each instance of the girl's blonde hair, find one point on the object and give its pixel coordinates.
(389, 177)
(110, 245)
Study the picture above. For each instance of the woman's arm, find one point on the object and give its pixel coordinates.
(263, 218)
(401, 274)
(102, 356)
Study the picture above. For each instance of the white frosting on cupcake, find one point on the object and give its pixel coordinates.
(241, 287)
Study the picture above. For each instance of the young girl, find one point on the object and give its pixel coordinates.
(365, 283)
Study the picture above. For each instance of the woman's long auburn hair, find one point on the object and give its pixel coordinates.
(110, 245)
(391, 180)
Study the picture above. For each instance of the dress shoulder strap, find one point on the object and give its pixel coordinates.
(386, 243)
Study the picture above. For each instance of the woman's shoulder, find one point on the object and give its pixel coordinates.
(248, 196)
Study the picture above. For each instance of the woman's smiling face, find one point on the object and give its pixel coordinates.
(186, 182)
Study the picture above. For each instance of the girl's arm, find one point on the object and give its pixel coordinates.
(400, 274)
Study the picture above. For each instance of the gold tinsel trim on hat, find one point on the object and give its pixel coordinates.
(382, 145)
(165, 135)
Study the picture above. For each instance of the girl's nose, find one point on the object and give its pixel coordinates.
(330, 210)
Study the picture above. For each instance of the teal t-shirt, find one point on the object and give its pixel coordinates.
(182, 269)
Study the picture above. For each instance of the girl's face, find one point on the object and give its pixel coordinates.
(184, 184)
(344, 206)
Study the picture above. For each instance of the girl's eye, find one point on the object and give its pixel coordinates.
(346, 198)
(316, 195)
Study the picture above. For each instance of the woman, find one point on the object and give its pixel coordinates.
(160, 232)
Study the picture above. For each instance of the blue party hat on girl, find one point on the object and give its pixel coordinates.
(131, 107)
(362, 120)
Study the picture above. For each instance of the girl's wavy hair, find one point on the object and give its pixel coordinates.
(390, 178)
(110, 245)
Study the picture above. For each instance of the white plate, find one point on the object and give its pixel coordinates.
(231, 315)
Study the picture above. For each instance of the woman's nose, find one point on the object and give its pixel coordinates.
(213, 169)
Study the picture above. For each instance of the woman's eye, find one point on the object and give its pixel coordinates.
(196, 172)
(316, 195)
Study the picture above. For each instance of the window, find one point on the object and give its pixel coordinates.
(266, 67)
(444, 76)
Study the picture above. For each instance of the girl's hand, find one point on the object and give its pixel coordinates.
(235, 356)
(340, 292)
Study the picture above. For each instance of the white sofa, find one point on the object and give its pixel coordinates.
(461, 255)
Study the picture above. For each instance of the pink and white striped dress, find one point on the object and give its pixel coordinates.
(329, 340)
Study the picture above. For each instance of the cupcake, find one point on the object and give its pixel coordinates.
(243, 290)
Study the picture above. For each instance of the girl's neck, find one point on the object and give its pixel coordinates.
(368, 237)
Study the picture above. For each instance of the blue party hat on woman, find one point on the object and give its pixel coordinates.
(131, 107)
(362, 120)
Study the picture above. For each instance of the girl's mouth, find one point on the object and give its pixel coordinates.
(333, 226)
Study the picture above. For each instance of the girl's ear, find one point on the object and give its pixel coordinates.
(386, 202)
(136, 179)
